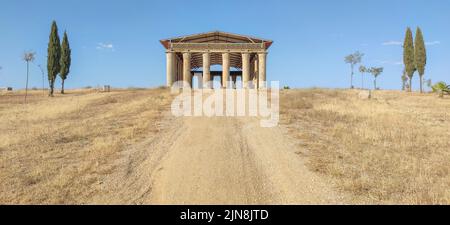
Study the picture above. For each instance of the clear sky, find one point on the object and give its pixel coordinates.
(116, 42)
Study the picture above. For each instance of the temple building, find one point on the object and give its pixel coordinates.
(239, 55)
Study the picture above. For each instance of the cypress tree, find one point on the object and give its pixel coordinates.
(408, 56)
(420, 56)
(65, 60)
(53, 58)
(404, 80)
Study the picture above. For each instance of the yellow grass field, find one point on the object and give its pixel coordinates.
(80, 148)
(394, 149)
(60, 150)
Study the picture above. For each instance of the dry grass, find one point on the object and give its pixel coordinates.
(394, 149)
(59, 150)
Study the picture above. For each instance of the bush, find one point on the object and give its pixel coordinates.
(441, 88)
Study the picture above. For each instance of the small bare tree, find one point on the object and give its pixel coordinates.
(28, 57)
(353, 59)
(428, 83)
(375, 71)
(43, 78)
(362, 70)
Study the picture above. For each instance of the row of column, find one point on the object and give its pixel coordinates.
(255, 68)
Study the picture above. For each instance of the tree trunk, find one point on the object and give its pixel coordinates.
(375, 84)
(43, 84)
(410, 84)
(351, 78)
(362, 81)
(26, 86)
(421, 83)
(62, 87)
(50, 88)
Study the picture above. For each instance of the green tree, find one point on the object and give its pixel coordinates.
(362, 70)
(65, 60)
(420, 56)
(53, 58)
(353, 60)
(408, 56)
(375, 71)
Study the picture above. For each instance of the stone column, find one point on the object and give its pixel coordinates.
(177, 69)
(180, 69)
(251, 69)
(225, 69)
(206, 70)
(170, 68)
(256, 72)
(187, 76)
(262, 69)
(245, 69)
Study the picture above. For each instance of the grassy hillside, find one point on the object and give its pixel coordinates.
(391, 149)
(60, 150)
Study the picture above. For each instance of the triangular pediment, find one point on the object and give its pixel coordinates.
(215, 37)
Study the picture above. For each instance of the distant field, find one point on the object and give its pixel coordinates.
(391, 149)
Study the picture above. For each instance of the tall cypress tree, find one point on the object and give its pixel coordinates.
(65, 60)
(408, 56)
(53, 58)
(420, 56)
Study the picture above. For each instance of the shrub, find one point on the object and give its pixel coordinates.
(441, 88)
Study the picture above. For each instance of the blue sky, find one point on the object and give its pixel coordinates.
(117, 42)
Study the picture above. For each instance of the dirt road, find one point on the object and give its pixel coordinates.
(234, 161)
(231, 161)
